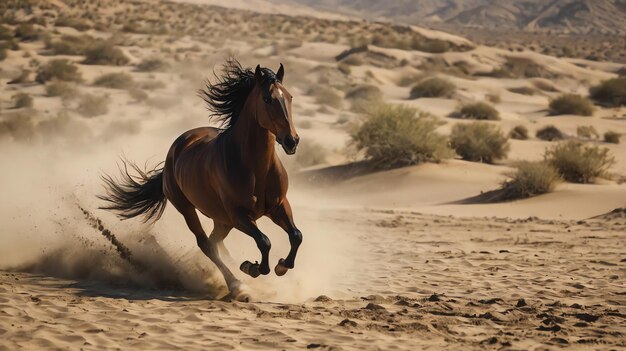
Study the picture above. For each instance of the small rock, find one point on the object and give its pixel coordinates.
(434, 298)
(372, 306)
(348, 323)
(323, 298)
(521, 303)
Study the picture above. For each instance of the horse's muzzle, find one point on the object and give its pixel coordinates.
(289, 144)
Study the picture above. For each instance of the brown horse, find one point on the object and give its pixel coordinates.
(231, 175)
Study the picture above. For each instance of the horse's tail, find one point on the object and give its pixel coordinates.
(135, 195)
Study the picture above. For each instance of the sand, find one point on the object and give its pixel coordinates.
(397, 259)
(420, 282)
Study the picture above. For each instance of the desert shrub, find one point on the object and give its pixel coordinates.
(612, 137)
(549, 133)
(523, 90)
(611, 92)
(479, 142)
(6, 33)
(587, 132)
(59, 69)
(310, 154)
(73, 22)
(516, 67)
(494, 98)
(571, 104)
(21, 78)
(138, 94)
(479, 110)
(61, 89)
(18, 126)
(545, 85)
(118, 80)
(326, 95)
(530, 179)
(579, 163)
(27, 32)
(105, 53)
(70, 45)
(3, 54)
(621, 72)
(396, 135)
(344, 68)
(151, 84)
(433, 87)
(435, 46)
(151, 65)
(22, 100)
(92, 106)
(364, 95)
(353, 60)
(519, 133)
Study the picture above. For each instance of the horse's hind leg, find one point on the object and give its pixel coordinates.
(283, 217)
(209, 246)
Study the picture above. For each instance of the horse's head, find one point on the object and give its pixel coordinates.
(274, 108)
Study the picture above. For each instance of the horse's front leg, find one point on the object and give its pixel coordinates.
(244, 223)
(283, 217)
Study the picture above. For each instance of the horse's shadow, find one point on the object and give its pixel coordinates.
(111, 291)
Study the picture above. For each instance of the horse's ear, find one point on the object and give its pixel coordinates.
(258, 74)
(281, 73)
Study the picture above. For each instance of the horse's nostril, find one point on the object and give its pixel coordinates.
(297, 139)
(290, 142)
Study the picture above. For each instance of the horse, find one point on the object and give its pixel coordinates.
(231, 174)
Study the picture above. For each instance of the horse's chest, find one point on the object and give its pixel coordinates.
(266, 197)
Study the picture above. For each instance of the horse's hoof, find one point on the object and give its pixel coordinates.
(251, 269)
(280, 268)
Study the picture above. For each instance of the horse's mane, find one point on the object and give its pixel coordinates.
(226, 97)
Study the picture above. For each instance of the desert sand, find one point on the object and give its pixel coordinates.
(393, 259)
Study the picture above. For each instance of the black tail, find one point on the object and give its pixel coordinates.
(132, 196)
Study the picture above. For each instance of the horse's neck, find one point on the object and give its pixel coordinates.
(255, 143)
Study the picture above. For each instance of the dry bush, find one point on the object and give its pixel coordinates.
(479, 142)
(17, 126)
(92, 105)
(59, 69)
(434, 46)
(519, 133)
(530, 179)
(27, 32)
(138, 95)
(521, 68)
(117, 80)
(151, 65)
(545, 85)
(480, 111)
(587, 132)
(105, 53)
(65, 90)
(612, 137)
(433, 87)
(151, 85)
(579, 163)
(396, 135)
(21, 78)
(362, 96)
(3, 54)
(549, 133)
(310, 154)
(22, 100)
(73, 22)
(6, 33)
(611, 92)
(571, 104)
(523, 91)
(326, 95)
(70, 45)
(353, 60)
(494, 98)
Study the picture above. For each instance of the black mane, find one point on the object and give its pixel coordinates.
(225, 98)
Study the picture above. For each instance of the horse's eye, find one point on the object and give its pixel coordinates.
(267, 100)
